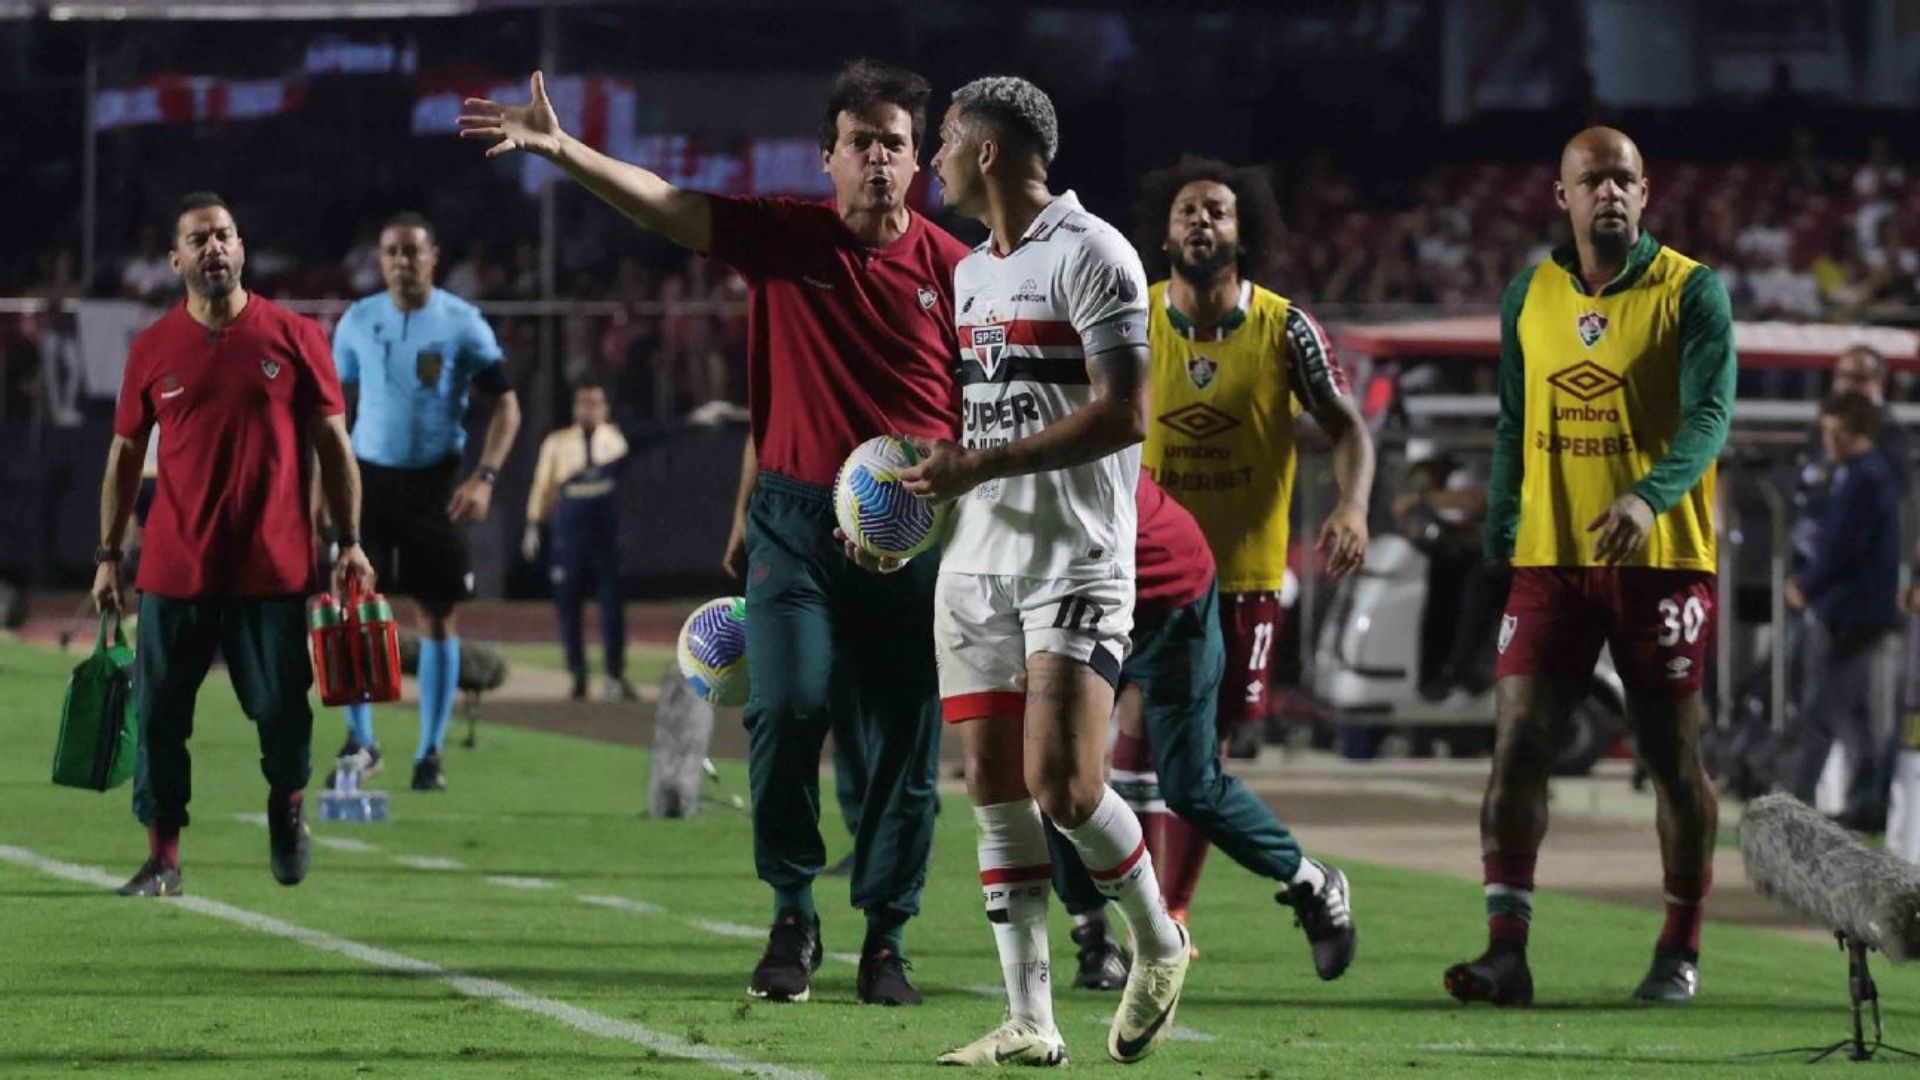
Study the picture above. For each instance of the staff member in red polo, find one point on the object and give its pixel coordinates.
(243, 389)
(849, 335)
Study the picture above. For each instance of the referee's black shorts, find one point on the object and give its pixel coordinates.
(414, 547)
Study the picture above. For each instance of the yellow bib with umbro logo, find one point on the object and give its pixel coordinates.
(1221, 440)
(1602, 384)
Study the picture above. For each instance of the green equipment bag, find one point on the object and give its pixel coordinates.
(97, 736)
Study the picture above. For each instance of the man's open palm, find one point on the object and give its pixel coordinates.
(532, 127)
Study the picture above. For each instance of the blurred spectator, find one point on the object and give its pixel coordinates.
(1440, 511)
(465, 278)
(148, 275)
(1847, 594)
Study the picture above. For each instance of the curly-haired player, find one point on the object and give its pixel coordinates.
(1232, 364)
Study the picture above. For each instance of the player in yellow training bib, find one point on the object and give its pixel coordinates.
(1233, 364)
(1616, 391)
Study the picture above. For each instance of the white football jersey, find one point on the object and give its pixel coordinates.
(1072, 288)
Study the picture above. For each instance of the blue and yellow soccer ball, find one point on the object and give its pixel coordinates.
(713, 651)
(878, 514)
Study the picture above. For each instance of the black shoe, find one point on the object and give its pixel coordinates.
(1674, 977)
(349, 749)
(785, 971)
(1103, 963)
(579, 692)
(1500, 976)
(288, 839)
(1243, 741)
(427, 775)
(883, 978)
(1326, 915)
(843, 868)
(1435, 690)
(154, 878)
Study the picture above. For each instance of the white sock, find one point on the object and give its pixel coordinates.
(1111, 844)
(1015, 878)
(1310, 873)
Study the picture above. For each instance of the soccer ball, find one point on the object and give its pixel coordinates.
(713, 651)
(879, 515)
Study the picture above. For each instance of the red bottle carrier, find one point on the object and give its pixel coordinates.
(356, 648)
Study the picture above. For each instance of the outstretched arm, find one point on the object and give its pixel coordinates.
(683, 217)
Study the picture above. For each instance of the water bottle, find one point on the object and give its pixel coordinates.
(333, 666)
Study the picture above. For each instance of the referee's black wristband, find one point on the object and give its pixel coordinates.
(347, 540)
(488, 473)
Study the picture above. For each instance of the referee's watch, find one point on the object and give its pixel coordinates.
(346, 540)
(487, 474)
(105, 554)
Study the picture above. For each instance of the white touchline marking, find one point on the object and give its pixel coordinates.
(508, 881)
(427, 862)
(1178, 1034)
(251, 819)
(621, 903)
(573, 1016)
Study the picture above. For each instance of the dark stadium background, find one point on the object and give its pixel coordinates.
(1409, 141)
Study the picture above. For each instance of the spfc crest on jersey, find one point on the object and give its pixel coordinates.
(271, 367)
(1591, 326)
(1508, 624)
(988, 345)
(1201, 370)
(427, 365)
(927, 298)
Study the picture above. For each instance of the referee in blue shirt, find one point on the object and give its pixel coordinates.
(407, 359)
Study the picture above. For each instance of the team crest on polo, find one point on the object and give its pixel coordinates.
(1591, 326)
(427, 364)
(927, 298)
(271, 367)
(989, 344)
(1201, 370)
(1508, 624)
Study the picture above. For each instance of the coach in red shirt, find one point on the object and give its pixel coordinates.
(243, 389)
(850, 335)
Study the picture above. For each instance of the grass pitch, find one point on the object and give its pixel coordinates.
(624, 945)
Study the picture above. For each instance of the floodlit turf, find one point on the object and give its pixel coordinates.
(645, 663)
(97, 983)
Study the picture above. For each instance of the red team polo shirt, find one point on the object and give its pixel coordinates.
(1172, 565)
(229, 515)
(844, 342)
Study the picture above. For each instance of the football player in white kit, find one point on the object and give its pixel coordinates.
(1036, 581)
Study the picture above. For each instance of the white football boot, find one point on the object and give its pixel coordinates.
(1147, 1005)
(1014, 1042)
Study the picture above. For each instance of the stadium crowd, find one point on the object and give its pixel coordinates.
(1804, 238)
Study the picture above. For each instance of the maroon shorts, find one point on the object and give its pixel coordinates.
(1659, 625)
(1249, 624)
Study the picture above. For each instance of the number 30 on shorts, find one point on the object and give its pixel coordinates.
(1679, 621)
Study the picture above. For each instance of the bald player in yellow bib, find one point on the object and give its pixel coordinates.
(1616, 392)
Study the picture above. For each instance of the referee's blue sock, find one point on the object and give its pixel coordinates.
(439, 680)
(360, 724)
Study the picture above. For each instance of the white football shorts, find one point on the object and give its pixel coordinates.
(986, 625)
